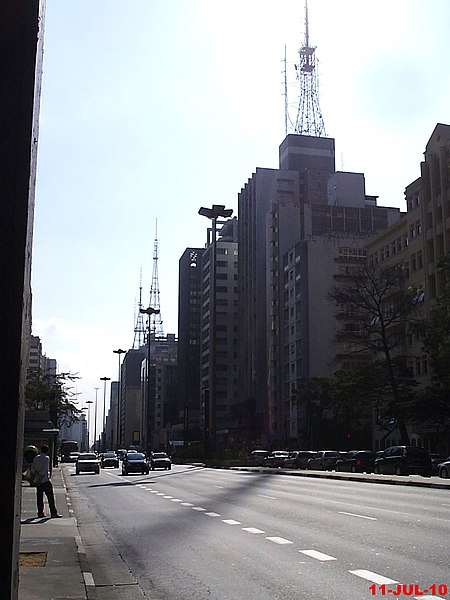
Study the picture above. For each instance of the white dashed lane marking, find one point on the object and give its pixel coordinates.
(253, 530)
(231, 522)
(279, 540)
(374, 577)
(359, 516)
(268, 497)
(211, 514)
(317, 555)
(199, 508)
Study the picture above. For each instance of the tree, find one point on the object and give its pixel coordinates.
(46, 391)
(378, 310)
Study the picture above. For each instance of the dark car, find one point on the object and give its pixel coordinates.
(109, 459)
(135, 462)
(276, 459)
(443, 469)
(324, 460)
(357, 461)
(436, 460)
(87, 462)
(160, 460)
(404, 460)
(298, 459)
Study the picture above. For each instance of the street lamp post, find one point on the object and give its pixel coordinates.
(104, 379)
(95, 419)
(213, 213)
(148, 311)
(89, 423)
(119, 407)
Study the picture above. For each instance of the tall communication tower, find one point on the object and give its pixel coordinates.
(309, 117)
(139, 327)
(156, 324)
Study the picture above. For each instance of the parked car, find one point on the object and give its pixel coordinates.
(160, 460)
(444, 468)
(87, 462)
(135, 462)
(257, 457)
(404, 460)
(275, 459)
(109, 459)
(436, 460)
(298, 459)
(324, 460)
(357, 461)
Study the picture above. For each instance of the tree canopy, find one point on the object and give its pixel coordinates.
(51, 392)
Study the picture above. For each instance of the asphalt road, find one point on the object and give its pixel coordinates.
(194, 533)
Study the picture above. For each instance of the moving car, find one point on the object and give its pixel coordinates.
(87, 462)
(404, 460)
(135, 462)
(109, 459)
(357, 461)
(276, 458)
(324, 460)
(444, 468)
(436, 460)
(160, 460)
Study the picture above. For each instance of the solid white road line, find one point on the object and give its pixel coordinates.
(253, 530)
(268, 497)
(374, 577)
(359, 516)
(318, 555)
(279, 540)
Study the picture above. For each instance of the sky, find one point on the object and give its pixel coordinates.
(151, 109)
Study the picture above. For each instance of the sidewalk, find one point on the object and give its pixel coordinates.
(49, 562)
(72, 557)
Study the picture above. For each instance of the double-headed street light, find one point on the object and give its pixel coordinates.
(213, 213)
(148, 311)
(119, 407)
(104, 379)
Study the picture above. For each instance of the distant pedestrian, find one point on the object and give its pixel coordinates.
(40, 469)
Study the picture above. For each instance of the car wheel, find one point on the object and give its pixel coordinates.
(353, 469)
(398, 471)
(443, 473)
(376, 470)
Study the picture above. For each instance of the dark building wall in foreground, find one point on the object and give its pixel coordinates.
(21, 31)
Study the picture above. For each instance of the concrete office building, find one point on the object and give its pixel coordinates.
(417, 243)
(187, 425)
(295, 224)
(218, 376)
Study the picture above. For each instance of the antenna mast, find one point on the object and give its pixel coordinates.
(309, 117)
(156, 324)
(139, 328)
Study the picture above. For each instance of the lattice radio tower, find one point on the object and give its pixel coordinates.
(139, 327)
(156, 323)
(309, 119)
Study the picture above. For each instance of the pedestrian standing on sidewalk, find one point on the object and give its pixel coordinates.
(40, 469)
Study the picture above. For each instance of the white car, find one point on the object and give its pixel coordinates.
(87, 462)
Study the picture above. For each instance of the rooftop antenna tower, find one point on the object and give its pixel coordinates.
(139, 328)
(309, 117)
(156, 324)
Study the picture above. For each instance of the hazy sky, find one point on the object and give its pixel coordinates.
(153, 108)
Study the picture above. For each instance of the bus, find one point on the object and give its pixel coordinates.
(66, 447)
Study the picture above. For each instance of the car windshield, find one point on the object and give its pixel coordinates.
(109, 455)
(87, 457)
(135, 456)
(160, 455)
